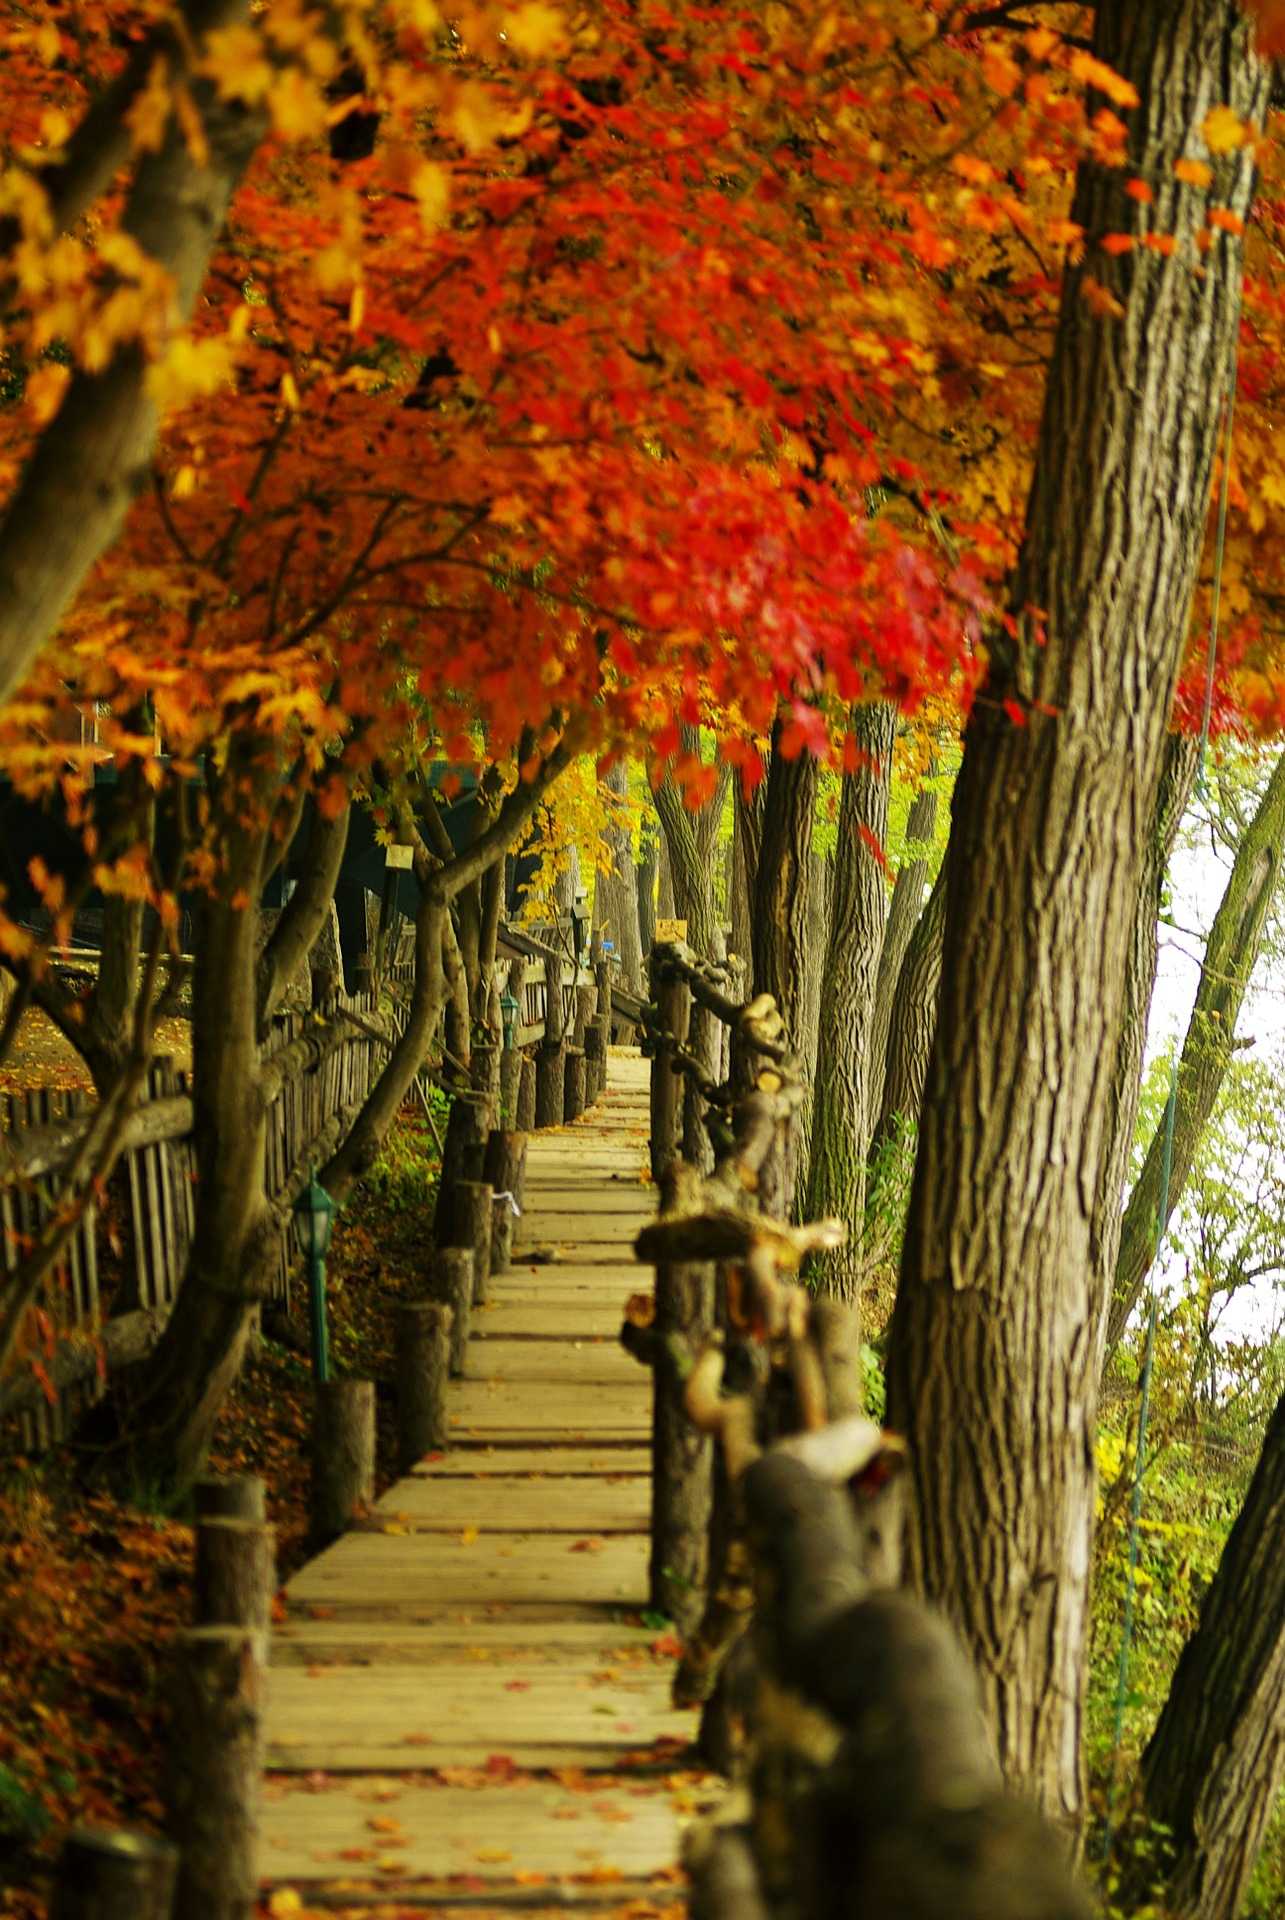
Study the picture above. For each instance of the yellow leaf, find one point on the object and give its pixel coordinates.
(284, 1901)
(190, 370)
(468, 1536)
(1224, 130)
(298, 107)
(432, 188)
(534, 29)
(290, 392)
(183, 484)
(234, 60)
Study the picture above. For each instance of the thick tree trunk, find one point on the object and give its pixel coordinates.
(691, 840)
(79, 484)
(912, 1022)
(1231, 951)
(992, 1365)
(1215, 1764)
(820, 878)
(647, 875)
(781, 925)
(905, 910)
(747, 835)
(858, 914)
(615, 900)
(1182, 757)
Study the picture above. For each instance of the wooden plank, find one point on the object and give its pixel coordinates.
(519, 1504)
(542, 1827)
(483, 1411)
(403, 1719)
(583, 1645)
(379, 1572)
(603, 1361)
(486, 1462)
(569, 1316)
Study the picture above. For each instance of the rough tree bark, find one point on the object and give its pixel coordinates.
(690, 839)
(615, 899)
(1182, 757)
(1231, 951)
(781, 924)
(992, 1364)
(858, 914)
(905, 910)
(78, 486)
(1216, 1762)
(912, 1022)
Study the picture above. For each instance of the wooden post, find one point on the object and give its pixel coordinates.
(235, 1574)
(450, 1280)
(574, 1084)
(462, 1152)
(595, 1053)
(472, 1228)
(674, 1004)
(109, 1874)
(602, 980)
(682, 1457)
(485, 1073)
(510, 1085)
(704, 1039)
(585, 1008)
(423, 1363)
(343, 1455)
(524, 1117)
(505, 1169)
(550, 1064)
(232, 1496)
(216, 1751)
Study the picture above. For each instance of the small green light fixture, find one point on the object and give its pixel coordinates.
(509, 1019)
(314, 1213)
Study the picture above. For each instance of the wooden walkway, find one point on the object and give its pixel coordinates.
(464, 1712)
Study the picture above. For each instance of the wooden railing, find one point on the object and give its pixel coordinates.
(82, 1335)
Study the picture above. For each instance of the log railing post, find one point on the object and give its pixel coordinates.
(231, 1496)
(343, 1455)
(505, 1171)
(681, 1457)
(214, 1777)
(234, 1578)
(450, 1280)
(471, 1227)
(423, 1364)
(462, 1153)
(524, 1114)
(109, 1874)
(673, 1001)
(550, 1065)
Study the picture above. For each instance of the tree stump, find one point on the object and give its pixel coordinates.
(216, 1754)
(674, 1008)
(450, 1280)
(233, 1496)
(463, 1149)
(524, 1116)
(550, 1074)
(595, 1054)
(472, 1228)
(506, 1172)
(235, 1575)
(484, 1071)
(423, 1364)
(510, 1085)
(343, 1455)
(574, 1096)
(107, 1874)
(682, 1457)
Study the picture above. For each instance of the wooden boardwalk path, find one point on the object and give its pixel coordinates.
(463, 1710)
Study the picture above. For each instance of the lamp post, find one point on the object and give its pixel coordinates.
(314, 1213)
(509, 1019)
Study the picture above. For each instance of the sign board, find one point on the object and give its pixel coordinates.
(399, 858)
(671, 930)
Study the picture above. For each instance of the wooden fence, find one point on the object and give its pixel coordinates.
(80, 1335)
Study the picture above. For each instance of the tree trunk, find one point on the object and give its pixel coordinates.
(647, 874)
(992, 1366)
(912, 1022)
(81, 480)
(747, 837)
(618, 916)
(815, 949)
(1233, 946)
(905, 910)
(781, 925)
(1182, 757)
(1215, 1764)
(691, 838)
(858, 914)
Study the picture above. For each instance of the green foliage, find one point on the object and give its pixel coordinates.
(23, 1820)
(408, 1165)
